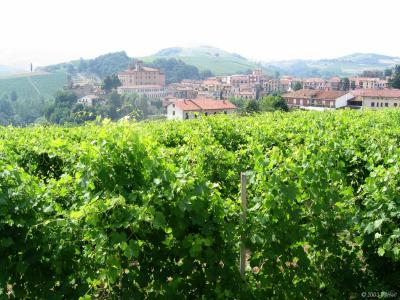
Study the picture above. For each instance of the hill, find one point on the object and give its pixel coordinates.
(348, 65)
(101, 66)
(218, 61)
(33, 85)
(23, 97)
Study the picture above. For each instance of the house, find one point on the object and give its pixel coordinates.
(140, 75)
(248, 94)
(240, 81)
(316, 84)
(81, 90)
(335, 83)
(181, 109)
(368, 83)
(282, 85)
(90, 100)
(211, 87)
(375, 98)
(143, 81)
(181, 91)
(317, 99)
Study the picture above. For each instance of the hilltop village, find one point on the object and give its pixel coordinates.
(218, 94)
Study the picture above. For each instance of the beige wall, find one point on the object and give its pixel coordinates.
(142, 77)
(175, 113)
(379, 102)
(150, 92)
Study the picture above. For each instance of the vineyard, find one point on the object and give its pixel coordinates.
(27, 86)
(152, 210)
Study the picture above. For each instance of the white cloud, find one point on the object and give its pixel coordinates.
(48, 31)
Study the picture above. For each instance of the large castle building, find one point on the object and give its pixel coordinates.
(142, 81)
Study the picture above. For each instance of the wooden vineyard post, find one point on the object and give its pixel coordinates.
(243, 198)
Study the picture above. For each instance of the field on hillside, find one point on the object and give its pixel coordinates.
(24, 85)
(152, 211)
(217, 65)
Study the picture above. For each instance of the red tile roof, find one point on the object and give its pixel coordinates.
(335, 79)
(303, 93)
(211, 82)
(199, 104)
(315, 94)
(149, 86)
(330, 94)
(319, 80)
(385, 93)
(149, 69)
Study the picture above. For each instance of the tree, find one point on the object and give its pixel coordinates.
(13, 96)
(65, 98)
(115, 100)
(110, 82)
(101, 66)
(372, 73)
(60, 111)
(206, 74)
(345, 84)
(297, 86)
(395, 81)
(388, 72)
(240, 103)
(272, 103)
(252, 107)
(353, 85)
(6, 108)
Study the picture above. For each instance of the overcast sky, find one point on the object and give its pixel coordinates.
(51, 31)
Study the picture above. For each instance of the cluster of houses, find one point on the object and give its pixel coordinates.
(191, 98)
(287, 84)
(360, 98)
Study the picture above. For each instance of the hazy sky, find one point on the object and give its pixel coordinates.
(51, 31)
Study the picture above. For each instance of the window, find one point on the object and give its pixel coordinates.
(187, 116)
(386, 104)
(381, 104)
(395, 105)
(372, 104)
(173, 113)
(173, 105)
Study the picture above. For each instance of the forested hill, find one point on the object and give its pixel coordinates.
(100, 66)
(219, 61)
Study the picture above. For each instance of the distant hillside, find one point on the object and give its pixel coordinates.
(216, 60)
(343, 66)
(33, 85)
(24, 97)
(100, 66)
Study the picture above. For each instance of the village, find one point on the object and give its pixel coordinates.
(191, 98)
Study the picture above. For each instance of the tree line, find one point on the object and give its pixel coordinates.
(66, 110)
